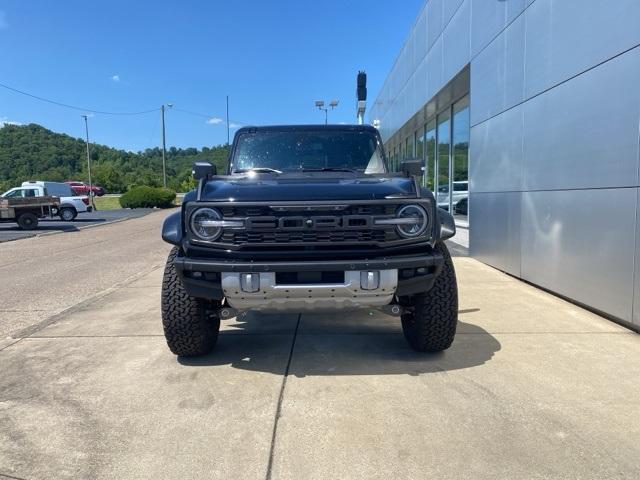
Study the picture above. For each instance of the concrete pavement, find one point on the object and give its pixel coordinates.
(43, 276)
(533, 387)
(10, 231)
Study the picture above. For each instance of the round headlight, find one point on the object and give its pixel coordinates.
(203, 224)
(417, 221)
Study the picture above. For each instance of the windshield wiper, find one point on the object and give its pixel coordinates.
(257, 170)
(329, 169)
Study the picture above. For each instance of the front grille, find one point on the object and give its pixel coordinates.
(336, 236)
(255, 211)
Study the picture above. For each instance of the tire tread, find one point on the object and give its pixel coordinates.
(188, 329)
(431, 327)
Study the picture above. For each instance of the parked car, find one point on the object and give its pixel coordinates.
(70, 203)
(460, 191)
(462, 207)
(308, 219)
(25, 207)
(82, 188)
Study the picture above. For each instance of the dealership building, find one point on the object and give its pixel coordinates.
(527, 116)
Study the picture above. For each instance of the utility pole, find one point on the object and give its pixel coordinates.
(86, 129)
(164, 151)
(228, 120)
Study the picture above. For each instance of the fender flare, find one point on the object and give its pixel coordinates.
(446, 225)
(172, 229)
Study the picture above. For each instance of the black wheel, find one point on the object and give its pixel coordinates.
(68, 214)
(28, 221)
(432, 324)
(190, 327)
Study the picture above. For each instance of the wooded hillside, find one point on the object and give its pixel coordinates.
(31, 152)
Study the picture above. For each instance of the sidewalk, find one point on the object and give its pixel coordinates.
(533, 387)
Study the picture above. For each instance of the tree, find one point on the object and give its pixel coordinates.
(31, 152)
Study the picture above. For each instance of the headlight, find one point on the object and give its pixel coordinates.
(413, 221)
(206, 224)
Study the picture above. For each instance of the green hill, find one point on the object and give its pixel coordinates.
(31, 152)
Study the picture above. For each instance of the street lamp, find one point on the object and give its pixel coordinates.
(320, 104)
(86, 128)
(164, 147)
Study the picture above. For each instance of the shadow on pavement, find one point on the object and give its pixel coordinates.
(338, 349)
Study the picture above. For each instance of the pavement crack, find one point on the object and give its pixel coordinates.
(4, 475)
(280, 398)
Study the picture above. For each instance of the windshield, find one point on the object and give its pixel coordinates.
(321, 150)
(22, 192)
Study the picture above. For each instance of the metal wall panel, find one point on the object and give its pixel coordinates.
(497, 74)
(434, 21)
(434, 65)
(419, 35)
(421, 79)
(494, 229)
(495, 163)
(636, 284)
(487, 20)
(580, 243)
(565, 37)
(513, 9)
(449, 9)
(456, 41)
(578, 137)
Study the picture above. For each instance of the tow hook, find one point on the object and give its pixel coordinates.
(227, 312)
(394, 310)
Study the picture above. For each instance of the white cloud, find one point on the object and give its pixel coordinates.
(3, 20)
(235, 125)
(5, 121)
(214, 121)
(115, 78)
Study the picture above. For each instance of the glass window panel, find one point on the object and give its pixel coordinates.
(409, 152)
(460, 156)
(442, 158)
(419, 136)
(430, 151)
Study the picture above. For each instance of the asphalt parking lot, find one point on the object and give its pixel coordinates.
(533, 387)
(9, 231)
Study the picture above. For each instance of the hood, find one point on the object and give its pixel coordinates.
(306, 188)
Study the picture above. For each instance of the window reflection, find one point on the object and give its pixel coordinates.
(430, 150)
(442, 159)
(460, 136)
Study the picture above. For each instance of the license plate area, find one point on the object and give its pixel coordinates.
(309, 278)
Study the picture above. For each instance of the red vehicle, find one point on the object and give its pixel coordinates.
(82, 188)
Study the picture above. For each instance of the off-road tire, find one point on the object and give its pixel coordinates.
(190, 327)
(28, 221)
(68, 214)
(431, 326)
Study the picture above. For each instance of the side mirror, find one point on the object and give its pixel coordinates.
(412, 167)
(203, 170)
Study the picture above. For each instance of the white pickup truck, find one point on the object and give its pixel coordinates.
(70, 203)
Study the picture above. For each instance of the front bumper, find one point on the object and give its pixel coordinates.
(400, 276)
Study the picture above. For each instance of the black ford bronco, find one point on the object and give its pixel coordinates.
(308, 218)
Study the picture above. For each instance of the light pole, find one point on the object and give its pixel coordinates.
(86, 129)
(164, 147)
(320, 104)
(228, 120)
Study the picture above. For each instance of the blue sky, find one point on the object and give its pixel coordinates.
(273, 58)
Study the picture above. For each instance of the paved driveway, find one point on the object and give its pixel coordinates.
(10, 231)
(533, 387)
